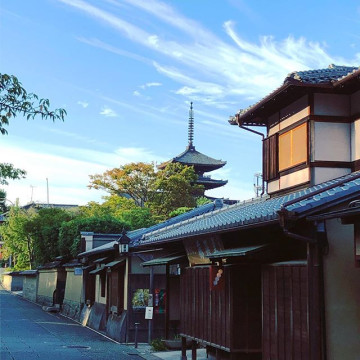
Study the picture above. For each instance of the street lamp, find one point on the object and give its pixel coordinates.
(123, 241)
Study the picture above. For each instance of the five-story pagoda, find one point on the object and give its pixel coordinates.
(201, 163)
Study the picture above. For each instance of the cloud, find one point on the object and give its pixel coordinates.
(205, 65)
(67, 176)
(106, 111)
(151, 84)
(84, 104)
(136, 93)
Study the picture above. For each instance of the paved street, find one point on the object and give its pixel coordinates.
(27, 332)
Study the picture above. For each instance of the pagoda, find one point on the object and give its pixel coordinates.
(201, 163)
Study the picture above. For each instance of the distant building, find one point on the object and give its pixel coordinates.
(34, 205)
(201, 163)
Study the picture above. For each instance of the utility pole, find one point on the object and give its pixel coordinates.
(32, 192)
(47, 190)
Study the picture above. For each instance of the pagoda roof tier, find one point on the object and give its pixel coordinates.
(209, 183)
(192, 157)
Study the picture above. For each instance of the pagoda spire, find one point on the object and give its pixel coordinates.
(191, 127)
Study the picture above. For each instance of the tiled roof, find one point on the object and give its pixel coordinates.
(329, 76)
(261, 211)
(136, 235)
(320, 76)
(193, 157)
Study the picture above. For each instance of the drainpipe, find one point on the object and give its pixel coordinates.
(257, 133)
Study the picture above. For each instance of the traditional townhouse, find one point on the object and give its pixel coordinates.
(273, 278)
(117, 289)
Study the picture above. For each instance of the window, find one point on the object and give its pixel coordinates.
(293, 147)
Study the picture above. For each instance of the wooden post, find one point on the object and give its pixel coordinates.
(183, 348)
(151, 291)
(315, 333)
(193, 350)
(167, 301)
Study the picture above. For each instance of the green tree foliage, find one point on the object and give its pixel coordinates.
(3, 207)
(179, 211)
(69, 233)
(122, 209)
(134, 180)
(8, 171)
(44, 230)
(15, 100)
(161, 192)
(174, 188)
(17, 241)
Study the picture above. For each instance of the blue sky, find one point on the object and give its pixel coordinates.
(126, 71)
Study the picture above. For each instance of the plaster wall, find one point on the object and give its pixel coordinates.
(98, 298)
(355, 140)
(331, 104)
(342, 293)
(294, 179)
(297, 116)
(331, 142)
(355, 103)
(73, 288)
(322, 174)
(273, 186)
(47, 282)
(30, 287)
(12, 283)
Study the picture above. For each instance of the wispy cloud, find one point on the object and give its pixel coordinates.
(206, 67)
(108, 112)
(151, 84)
(84, 104)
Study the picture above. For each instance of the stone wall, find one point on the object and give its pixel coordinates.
(72, 309)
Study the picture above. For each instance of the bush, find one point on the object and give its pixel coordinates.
(157, 345)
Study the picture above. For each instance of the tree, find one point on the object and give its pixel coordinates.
(44, 229)
(134, 180)
(18, 243)
(8, 171)
(162, 191)
(175, 188)
(69, 233)
(122, 209)
(15, 100)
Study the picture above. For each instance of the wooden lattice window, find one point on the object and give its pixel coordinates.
(293, 149)
(270, 157)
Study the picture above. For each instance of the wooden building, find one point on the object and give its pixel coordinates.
(117, 288)
(271, 278)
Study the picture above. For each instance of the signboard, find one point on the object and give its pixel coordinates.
(78, 271)
(149, 310)
(217, 278)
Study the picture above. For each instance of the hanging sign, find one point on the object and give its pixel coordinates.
(149, 310)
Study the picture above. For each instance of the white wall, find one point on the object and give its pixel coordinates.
(331, 142)
(342, 294)
(322, 174)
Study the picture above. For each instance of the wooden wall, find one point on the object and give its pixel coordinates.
(285, 312)
(227, 317)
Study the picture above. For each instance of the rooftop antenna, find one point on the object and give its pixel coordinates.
(191, 127)
(32, 192)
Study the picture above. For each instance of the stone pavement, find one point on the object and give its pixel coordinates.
(27, 332)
